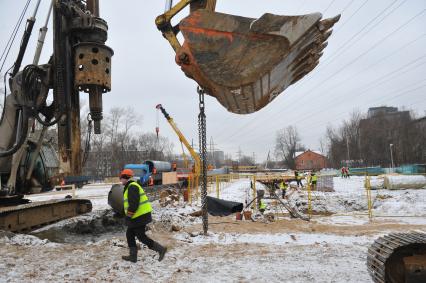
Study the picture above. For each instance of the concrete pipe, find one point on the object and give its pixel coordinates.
(115, 199)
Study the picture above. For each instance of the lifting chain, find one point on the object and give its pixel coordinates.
(203, 156)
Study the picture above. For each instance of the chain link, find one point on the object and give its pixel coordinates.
(203, 156)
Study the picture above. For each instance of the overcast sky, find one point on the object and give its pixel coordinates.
(376, 56)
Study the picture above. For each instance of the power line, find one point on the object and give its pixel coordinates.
(399, 93)
(353, 76)
(340, 50)
(353, 61)
(351, 16)
(368, 50)
(13, 35)
(360, 90)
(329, 5)
(303, 82)
(382, 99)
(342, 114)
(335, 54)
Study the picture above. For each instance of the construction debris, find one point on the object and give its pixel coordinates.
(169, 197)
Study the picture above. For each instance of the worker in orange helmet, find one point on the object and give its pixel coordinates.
(150, 181)
(137, 210)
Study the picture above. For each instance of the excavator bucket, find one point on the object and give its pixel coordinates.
(245, 63)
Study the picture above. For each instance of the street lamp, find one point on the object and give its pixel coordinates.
(390, 147)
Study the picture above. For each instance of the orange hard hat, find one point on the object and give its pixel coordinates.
(126, 174)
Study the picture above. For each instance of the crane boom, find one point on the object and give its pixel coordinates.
(195, 156)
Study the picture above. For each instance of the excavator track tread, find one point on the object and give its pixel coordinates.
(384, 247)
(33, 215)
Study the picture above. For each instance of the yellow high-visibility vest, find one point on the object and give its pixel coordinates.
(144, 204)
(283, 185)
(314, 178)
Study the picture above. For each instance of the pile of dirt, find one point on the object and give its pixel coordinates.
(102, 222)
(91, 227)
(169, 198)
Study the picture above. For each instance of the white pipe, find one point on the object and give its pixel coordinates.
(36, 9)
(42, 36)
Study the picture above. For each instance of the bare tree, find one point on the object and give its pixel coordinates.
(246, 161)
(113, 121)
(156, 147)
(287, 142)
(324, 144)
(367, 141)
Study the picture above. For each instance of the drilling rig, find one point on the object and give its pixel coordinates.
(81, 62)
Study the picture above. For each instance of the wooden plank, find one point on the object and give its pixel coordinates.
(169, 178)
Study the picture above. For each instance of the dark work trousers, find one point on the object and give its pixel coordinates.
(299, 182)
(138, 232)
(283, 192)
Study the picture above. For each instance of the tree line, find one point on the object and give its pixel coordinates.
(120, 143)
(363, 140)
(377, 140)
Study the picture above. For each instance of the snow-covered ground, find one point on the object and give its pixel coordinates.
(332, 247)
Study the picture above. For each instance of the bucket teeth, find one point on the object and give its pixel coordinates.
(326, 35)
(328, 23)
(245, 63)
(323, 46)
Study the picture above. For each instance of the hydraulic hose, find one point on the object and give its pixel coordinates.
(21, 133)
(48, 124)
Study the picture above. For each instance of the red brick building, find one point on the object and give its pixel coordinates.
(310, 160)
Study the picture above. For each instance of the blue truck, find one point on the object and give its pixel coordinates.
(141, 172)
(150, 168)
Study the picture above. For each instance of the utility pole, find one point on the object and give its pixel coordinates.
(267, 160)
(239, 153)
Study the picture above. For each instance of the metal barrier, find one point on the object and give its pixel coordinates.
(309, 201)
(311, 196)
(367, 185)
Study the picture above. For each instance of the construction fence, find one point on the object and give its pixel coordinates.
(219, 184)
(321, 200)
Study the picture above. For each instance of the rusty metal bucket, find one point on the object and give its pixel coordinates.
(245, 63)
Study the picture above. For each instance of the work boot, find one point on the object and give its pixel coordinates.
(133, 256)
(160, 250)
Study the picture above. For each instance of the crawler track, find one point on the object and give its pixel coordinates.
(30, 216)
(398, 257)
